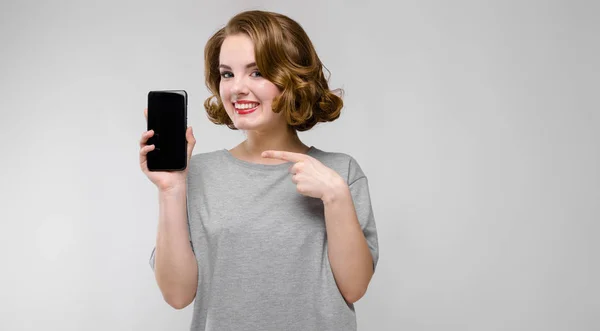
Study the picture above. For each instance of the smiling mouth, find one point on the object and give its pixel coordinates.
(245, 107)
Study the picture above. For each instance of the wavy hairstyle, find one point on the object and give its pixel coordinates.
(285, 56)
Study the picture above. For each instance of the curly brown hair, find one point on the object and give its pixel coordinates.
(285, 56)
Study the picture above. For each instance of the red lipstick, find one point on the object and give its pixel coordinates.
(244, 111)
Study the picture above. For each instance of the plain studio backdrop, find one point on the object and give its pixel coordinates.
(474, 122)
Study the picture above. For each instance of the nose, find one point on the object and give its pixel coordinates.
(239, 87)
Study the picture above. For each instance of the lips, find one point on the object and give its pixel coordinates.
(244, 107)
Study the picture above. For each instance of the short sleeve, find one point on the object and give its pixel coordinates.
(359, 189)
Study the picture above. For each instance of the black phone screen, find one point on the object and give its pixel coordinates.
(167, 116)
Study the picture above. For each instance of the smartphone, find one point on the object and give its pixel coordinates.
(167, 116)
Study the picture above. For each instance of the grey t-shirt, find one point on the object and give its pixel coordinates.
(261, 246)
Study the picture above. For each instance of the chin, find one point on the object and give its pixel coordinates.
(253, 122)
(248, 123)
(244, 125)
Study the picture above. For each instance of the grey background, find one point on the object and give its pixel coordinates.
(475, 121)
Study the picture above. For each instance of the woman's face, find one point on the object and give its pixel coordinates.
(247, 96)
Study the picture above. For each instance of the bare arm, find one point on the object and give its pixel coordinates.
(175, 268)
(349, 254)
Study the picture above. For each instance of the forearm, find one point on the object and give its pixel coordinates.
(349, 254)
(175, 265)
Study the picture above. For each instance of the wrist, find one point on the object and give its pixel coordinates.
(337, 191)
(173, 190)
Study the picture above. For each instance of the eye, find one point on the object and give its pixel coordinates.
(256, 73)
(226, 74)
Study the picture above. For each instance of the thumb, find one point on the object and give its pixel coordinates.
(189, 135)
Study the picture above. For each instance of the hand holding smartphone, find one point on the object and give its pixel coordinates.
(167, 117)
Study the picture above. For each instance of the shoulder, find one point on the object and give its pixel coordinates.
(343, 163)
(205, 160)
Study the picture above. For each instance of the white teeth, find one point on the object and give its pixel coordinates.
(245, 105)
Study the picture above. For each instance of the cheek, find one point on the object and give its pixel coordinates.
(222, 89)
(267, 91)
(225, 95)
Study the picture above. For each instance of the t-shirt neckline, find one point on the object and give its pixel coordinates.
(259, 166)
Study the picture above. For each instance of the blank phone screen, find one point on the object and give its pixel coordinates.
(167, 116)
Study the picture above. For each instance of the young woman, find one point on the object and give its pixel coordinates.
(271, 234)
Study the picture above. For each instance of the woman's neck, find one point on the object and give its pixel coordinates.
(258, 142)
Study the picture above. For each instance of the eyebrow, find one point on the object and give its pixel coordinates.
(249, 65)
